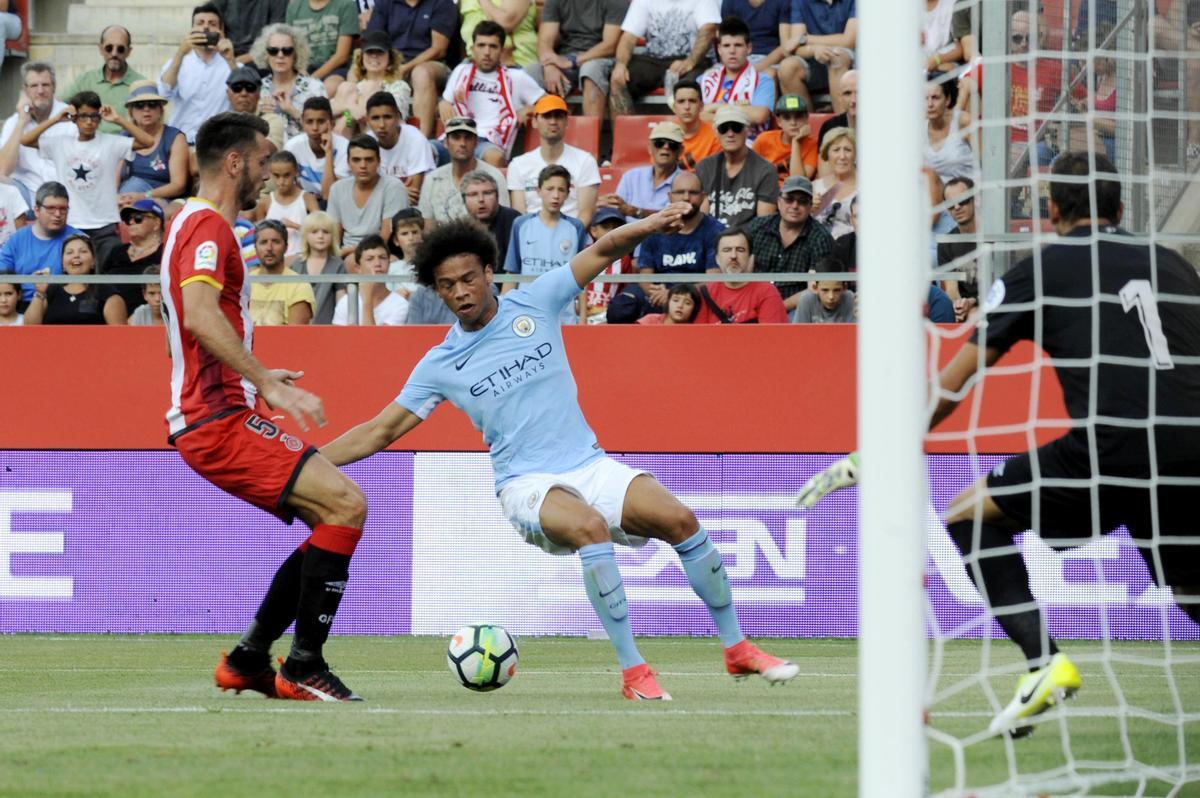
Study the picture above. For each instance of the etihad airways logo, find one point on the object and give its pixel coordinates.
(514, 372)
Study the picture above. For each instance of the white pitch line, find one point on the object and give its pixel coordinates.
(274, 710)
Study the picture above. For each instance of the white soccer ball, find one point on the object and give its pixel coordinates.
(482, 656)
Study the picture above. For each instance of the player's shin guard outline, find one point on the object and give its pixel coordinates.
(606, 592)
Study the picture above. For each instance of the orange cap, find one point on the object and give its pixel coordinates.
(550, 102)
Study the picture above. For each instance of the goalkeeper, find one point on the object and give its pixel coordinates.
(1127, 355)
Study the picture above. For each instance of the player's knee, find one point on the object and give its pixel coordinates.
(680, 524)
(348, 505)
(593, 529)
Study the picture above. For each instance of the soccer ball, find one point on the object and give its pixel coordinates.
(482, 656)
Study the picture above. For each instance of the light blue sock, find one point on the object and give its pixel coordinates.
(606, 591)
(706, 572)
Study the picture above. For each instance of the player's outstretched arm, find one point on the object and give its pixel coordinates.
(203, 318)
(393, 422)
(844, 472)
(620, 242)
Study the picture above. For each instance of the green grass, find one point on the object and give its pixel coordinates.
(130, 716)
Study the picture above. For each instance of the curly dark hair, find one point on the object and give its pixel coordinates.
(456, 237)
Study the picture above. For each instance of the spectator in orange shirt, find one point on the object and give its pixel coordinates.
(793, 147)
(699, 139)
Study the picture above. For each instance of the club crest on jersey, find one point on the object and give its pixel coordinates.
(206, 257)
(564, 246)
(995, 296)
(523, 326)
(291, 442)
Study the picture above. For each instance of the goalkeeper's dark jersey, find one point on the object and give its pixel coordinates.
(1136, 344)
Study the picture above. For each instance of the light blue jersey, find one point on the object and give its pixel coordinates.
(513, 380)
(534, 248)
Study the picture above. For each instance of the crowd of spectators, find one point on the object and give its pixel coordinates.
(392, 116)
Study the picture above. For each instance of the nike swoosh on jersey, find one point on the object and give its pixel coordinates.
(459, 365)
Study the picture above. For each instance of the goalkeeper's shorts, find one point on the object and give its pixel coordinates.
(1060, 503)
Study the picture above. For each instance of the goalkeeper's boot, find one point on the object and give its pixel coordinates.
(319, 685)
(641, 684)
(745, 658)
(1036, 692)
(230, 676)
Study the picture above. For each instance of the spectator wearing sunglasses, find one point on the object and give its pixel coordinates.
(90, 164)
(740, 183)
(242, 89)
(647, 189)
(193, 78)
(143, 222)
(113, 80)
(957, 255)
(161, 170)
(283, 51)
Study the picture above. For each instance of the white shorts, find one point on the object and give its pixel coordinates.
(602, 484)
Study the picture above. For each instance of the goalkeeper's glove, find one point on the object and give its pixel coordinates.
(841, 474)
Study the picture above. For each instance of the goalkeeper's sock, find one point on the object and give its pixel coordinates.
(1004, 582)
(606, 591)
(706, 573)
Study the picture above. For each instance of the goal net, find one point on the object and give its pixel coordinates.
(1120, 79)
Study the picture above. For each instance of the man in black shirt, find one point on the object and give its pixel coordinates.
(481, 195)
(1133, 453)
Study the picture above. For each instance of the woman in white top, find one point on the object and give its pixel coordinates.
(947, 142)
(284, 51)
(833, 193)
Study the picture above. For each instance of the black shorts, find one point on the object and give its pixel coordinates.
(1062, 506)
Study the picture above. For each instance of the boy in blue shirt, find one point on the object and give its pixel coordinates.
(546, 239)
(503, 364)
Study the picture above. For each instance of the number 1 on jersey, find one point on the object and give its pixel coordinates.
(1137, 293)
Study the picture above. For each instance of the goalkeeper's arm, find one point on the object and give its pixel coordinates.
(844, 473)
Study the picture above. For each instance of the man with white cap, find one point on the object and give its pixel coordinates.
(550, 117)
(739, 182)
(646, 189)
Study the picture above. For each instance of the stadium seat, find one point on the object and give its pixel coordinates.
(629, 138)
(582, 132)
(816, 120)
(610, 178)
(438, 129)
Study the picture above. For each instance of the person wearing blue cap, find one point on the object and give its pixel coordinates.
(597, 296)
(143, 222)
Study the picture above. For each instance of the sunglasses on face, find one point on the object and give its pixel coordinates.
(731, 127)
(243, 88)
(280, 50)
(794, 199)
(671, 145)
(136, 218)
(1020, 38)
(119, 49)
(958, 206)
(143, 106)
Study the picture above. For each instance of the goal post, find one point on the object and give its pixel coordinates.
(894, 257)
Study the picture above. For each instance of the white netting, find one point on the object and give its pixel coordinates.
(1121, 78)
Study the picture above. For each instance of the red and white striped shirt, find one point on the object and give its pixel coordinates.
(201, 247)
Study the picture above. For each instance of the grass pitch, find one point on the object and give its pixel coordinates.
(131, 716)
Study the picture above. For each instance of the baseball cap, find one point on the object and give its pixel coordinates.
(796, 183)
(463, 123)
(244, 74)
(667, 130)
(376, 40)
(730, 113)
(142, 206)
(607, 214)
(549, 103)
(791, 103)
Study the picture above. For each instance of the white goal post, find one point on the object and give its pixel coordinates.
(893, 492)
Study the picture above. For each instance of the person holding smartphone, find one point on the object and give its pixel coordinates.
(194, 79)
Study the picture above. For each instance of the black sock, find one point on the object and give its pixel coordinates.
(323, 581)
(275, 614)
(1004, 582)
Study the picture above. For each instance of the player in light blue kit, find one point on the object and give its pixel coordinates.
(504, 365)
